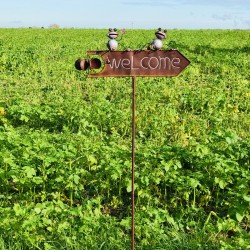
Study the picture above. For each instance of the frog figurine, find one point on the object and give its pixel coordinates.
(112, 44)
(157, 43)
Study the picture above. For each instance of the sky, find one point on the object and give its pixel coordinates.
(129, 14)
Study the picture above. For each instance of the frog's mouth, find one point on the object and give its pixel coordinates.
(113, 34)
(160, 34)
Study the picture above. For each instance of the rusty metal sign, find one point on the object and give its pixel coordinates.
(139, 63)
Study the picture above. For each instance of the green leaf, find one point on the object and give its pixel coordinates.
(126, 223)
(30, 172)
(24, 118)
(92, 160)
(221, 182)
(170, 220)
(37, 210)
(193, 182)
(129, 186)
(239, 216)
(246, 198)
(76, 179)
(59, 179)
(19, 211)
(2, 111)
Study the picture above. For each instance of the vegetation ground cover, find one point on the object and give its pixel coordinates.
(65, 140)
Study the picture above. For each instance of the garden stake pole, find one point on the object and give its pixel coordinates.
(133, 162)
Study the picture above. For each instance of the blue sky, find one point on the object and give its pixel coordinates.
(145, 14)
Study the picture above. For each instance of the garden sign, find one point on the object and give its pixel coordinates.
(150, 62)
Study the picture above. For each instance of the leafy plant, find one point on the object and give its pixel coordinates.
(65, 140)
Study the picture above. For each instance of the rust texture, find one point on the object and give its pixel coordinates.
(140, 63)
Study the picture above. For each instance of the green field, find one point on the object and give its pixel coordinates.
(65, 144)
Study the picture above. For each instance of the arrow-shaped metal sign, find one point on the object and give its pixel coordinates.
(139, 63)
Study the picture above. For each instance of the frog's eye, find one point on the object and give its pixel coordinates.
(165, 31)
(115, 29)
(110, 29)
(159, 29)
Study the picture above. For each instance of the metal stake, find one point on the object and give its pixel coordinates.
(133, 162)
